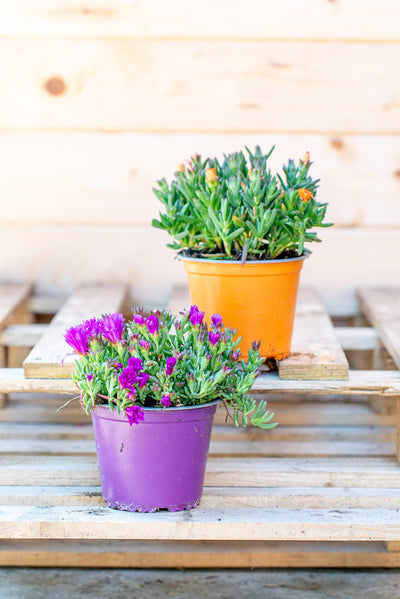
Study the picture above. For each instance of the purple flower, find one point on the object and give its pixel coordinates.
(138, 319)
(235, 356)
(216, 319)
(145, 344)
(111, 326)
(78, 338)
(128, 378)
(142, 379)
(91, 326)
(166, 401)
(195, 316)
(213, 337)
(152, 324)
(134, 414)
(170, 365)
(119, 365)
(89, 377)
(135, 363)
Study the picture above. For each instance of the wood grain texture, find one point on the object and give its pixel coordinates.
(48, 359)
(382, 308)
(222, 524)
(315, 350)
(290, 19)
(106, 179)
(197, 554)
(62, 258)
(12, 297)
(146, 86)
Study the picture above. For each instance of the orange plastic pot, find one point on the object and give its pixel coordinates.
(258, 299)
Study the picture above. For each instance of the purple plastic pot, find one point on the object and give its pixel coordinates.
(157, 464)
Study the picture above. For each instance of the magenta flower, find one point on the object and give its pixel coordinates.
(111, 326)
(91, 326)
(135, 363)
(213, 337)
(128, 378)
(138, 319)
(78, 338)
(89, 377)
(134, 414)
(170, 365)
(216, 319)
(144, 344)
(195, 316)
(142, 379)
(152, 324)
(119, 365)
(166, 401)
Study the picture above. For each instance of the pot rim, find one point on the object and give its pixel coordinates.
(162, 409)
(238, 262)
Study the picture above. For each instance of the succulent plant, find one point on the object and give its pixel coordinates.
(238, 210)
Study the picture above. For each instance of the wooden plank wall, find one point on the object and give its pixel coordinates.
(101, 98)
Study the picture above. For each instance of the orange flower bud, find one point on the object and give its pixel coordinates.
(181, 168)
(211, 175)
(305, 194)
(306, 158)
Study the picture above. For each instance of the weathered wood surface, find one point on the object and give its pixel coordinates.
(197, 554)
(157, 96)
(91, 171)
(49, 358)
(245, 20)
(12, 297)
(382, 308)
(315, 351)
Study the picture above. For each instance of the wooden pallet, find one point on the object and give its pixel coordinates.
(323, 489)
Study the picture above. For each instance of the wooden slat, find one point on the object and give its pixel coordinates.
(155, 19)
(382, 308)
(221, 524)
(116, 76)
(12, 297)
(315, 351)
(373, 472)
(113, 169)
(22, 335)
(383, 382)
(214, 497)
(197, 554)
(45, 360)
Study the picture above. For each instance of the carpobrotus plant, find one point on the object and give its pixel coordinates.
(164, 361)
(238, 210)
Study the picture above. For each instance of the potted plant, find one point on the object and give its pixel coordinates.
(165, 375)
(241, 232)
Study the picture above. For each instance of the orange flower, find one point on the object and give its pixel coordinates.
(211, 175)
(181, 168)
(305, 194)
(306, 158)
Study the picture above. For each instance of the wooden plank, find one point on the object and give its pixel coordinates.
(382, 308)
(196, 554)
(61, 75)
(154, 19)
(373, 472)
(357, 338)
(155, 276)
(265, 448)
(383, 382)
(120, 169)
(22, 335)
(222, 524)
(46, 358)
(12, 296)
(214, 497)
(315, 351)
